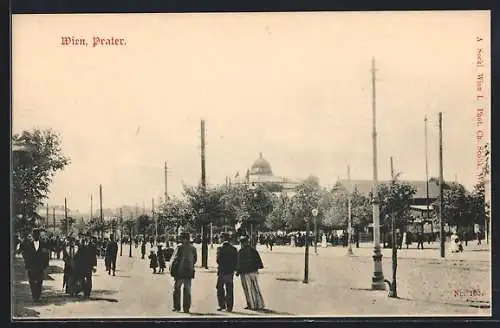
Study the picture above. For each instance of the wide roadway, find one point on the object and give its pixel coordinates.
(339, 286)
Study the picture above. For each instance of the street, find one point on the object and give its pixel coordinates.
(339, 286)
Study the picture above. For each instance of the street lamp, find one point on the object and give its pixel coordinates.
(315, 214)
(306, 254)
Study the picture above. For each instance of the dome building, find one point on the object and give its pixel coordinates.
(261, 173)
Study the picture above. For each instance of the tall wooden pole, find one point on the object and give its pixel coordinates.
(65, 217)
(441, 182)
(154, 218)
(101, 218)
(378, 276)
(426, 171)
(54, 219)
(204, 244)
(393, 291)
(166, 181)
(91, 207)
(121, 232)
(349, 213)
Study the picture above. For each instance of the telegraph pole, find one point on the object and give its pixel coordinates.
(166, 180)
(204, 243)
(54, 219)
(91, 209)
(393, 291)
(441, 182)
(121, 232)
(100, 209)
(154, 218)
(349, 213)
(378, 276)
(65, 217)
(426, 171)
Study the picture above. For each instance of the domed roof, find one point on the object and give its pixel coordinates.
(261, 166)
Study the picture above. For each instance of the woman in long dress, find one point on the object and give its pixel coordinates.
(249, 263)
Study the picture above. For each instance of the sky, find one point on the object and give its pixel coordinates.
(294, 86)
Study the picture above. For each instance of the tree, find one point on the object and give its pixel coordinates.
(457, 206)
(98, 226)
(33, 173)
(395, 199)
(307, 197)
(277, 219)
(175, 213)
(67, 224)
(143, 223)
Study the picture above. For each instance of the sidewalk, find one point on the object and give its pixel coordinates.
(339, 286)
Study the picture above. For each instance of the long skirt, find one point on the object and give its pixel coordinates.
(250, 284)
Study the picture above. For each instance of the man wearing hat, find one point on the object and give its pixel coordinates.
(111, 253)
(36, 260)
(182, 270)
(227, 258)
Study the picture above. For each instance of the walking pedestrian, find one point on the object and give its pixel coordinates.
(182, 270)
(161, 258)
(420, 240)
(111, 253)
(36, 260)
(86, 264)
(143, 249)
(227, 259)
(248, 265)
(153, 261)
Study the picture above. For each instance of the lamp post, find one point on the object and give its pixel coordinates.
(253, 190)
(315, 215)
(306, 254)
(130, 227)
(349, 213)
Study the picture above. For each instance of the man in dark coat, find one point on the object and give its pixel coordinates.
(85, 264)
(182, 270)
(36, 260)
(227, 259)
(111, 253)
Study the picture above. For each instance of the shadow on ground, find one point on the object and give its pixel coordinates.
(23, 303)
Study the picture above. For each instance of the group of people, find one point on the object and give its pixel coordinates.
(79, 254)
(158, 259)
(244, 263)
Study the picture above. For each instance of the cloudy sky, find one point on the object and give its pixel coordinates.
(294, 86)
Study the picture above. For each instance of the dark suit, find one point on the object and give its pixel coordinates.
(35, 261)
(85, 261)
(111, 253)
(227, 259)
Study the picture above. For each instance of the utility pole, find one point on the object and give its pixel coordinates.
(378, 276)
(441, 182)
(349, 213)
(154, 218)
(101, 219)
(426, 172)
(54, 219)
(166, 180)
(121, 232)
(65, 217)
(393, 292)
(204, 243)
(91, 209)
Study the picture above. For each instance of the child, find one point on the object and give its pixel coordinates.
(153, 261)
(161, 258)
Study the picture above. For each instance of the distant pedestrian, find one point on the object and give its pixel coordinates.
(143, 249)
(153, 261)
(270, 241)
(248, 265)
(227, 260)
(420, 240)
(111, 253)
(182, 270)
(161, 258)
